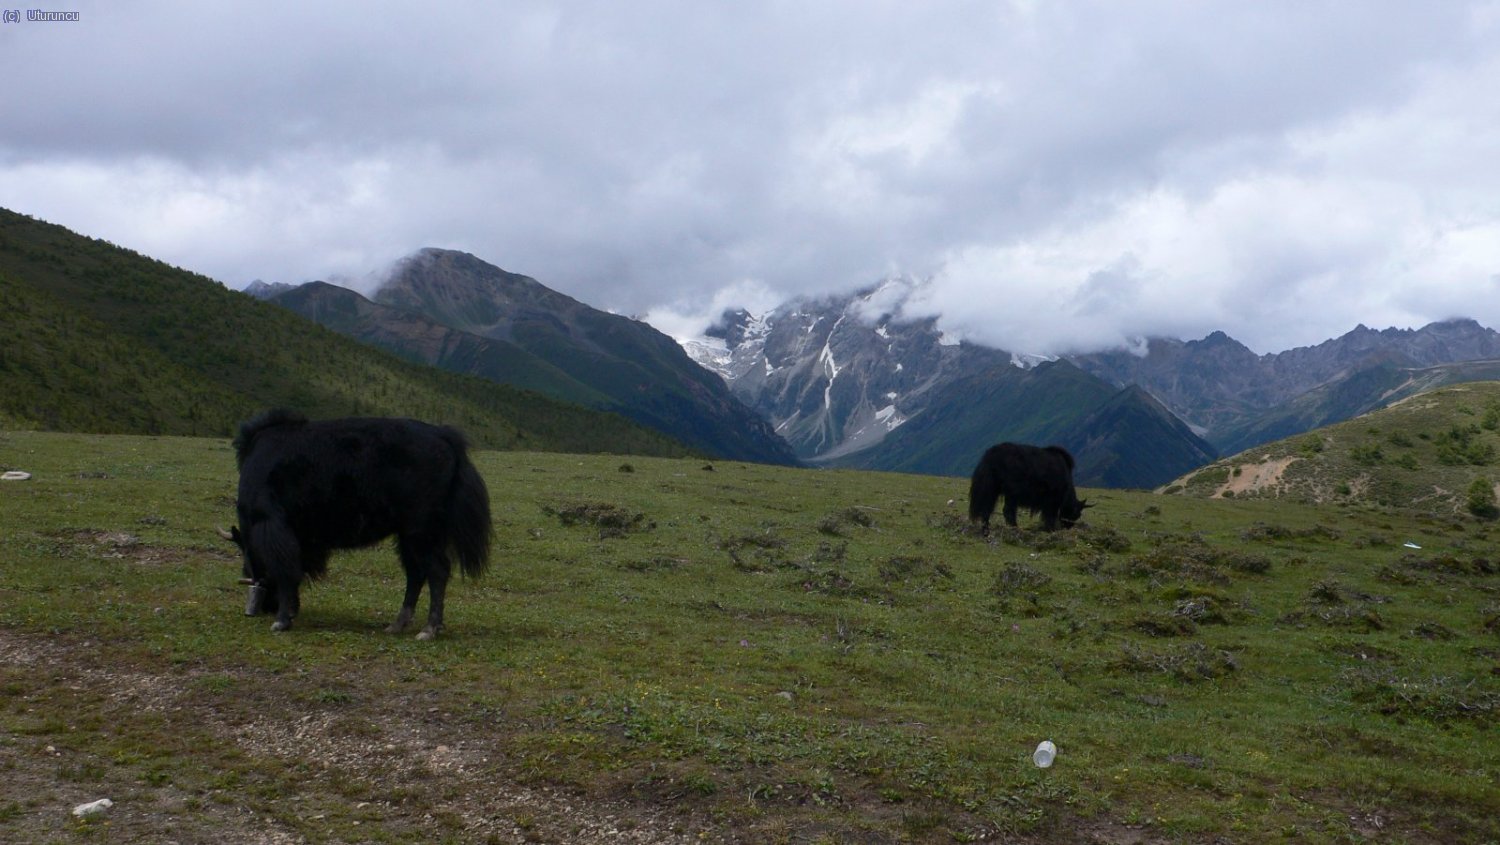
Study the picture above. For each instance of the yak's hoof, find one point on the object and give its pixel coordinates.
(402, 620)
(278, 627)
(427, 634)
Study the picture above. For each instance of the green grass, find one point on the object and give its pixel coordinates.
(727, 649)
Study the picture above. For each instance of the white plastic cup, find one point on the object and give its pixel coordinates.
(1044, 754)
(92, 808)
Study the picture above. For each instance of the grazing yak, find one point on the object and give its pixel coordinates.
(1031, 477)
(307, 488)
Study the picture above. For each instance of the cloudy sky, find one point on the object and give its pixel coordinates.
(1047, 175)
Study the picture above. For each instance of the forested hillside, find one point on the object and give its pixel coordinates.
(103, 339)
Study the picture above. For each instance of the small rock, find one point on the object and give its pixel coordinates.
(15, 475)
(786, 694)
(92, 808)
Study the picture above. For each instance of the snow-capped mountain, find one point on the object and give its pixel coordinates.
(849, 383)
(835, 376)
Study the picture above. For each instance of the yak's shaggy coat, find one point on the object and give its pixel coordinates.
(307, 488)
(1038, 479)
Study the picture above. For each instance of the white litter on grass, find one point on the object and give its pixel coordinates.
(15, 475)
(1411, 545)
(92, 808)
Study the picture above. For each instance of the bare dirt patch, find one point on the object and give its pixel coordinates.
(1257, 477)
(73, 725)
(122, 545)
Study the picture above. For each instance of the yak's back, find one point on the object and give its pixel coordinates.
(348, 481)
(244, 443)
(1021, 460)
(378, 445)
(1066, 456)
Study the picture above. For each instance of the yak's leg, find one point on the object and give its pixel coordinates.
(414, 580)
(437, 581)
(414, 560)
(1011, 506)
(1049, 518)
(277, 557)
(288, 602)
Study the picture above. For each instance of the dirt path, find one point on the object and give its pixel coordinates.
(439, 785)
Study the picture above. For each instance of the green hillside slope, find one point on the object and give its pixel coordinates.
(1120, 438)
(418, 338)
(102, 339)
(972, 414)
(1132, 440)
(1426, 452)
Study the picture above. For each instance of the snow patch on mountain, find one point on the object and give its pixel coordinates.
(1026, 361)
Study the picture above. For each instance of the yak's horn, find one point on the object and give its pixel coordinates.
(225, 534)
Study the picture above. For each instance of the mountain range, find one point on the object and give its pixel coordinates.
(850, 384)
(841, 390)
(840, 382)
(1238, 399)
(102, 339)
(451, 310)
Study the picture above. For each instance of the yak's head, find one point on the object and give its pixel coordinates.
(1072, 513)
(233, 535)
(262, 599)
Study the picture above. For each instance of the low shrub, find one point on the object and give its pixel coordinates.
(907, 567)
(1481, 499)
(1165, 625)
(611, 520)
(835, 523)
(1017, 578)
(1436, 699)
(1190, 663)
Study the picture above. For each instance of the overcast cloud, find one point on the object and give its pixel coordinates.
(1048, 176)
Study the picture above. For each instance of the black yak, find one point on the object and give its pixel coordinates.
(1038, 479)
(307, 488)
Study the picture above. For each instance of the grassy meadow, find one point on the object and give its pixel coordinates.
(670, 650)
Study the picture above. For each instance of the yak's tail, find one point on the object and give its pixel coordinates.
(469, 528)
(984, 490)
